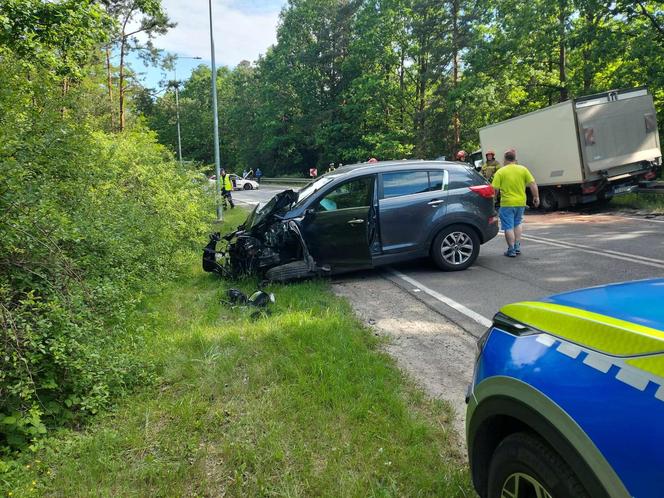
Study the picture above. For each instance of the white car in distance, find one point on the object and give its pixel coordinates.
(238, 182)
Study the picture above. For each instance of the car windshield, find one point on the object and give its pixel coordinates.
(314, 186)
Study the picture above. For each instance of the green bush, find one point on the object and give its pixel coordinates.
(90, 221)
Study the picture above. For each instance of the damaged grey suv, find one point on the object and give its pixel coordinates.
(362, 216)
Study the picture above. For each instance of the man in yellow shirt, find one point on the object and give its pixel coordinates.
(511, 181)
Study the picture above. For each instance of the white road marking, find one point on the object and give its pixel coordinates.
(631, 258)
(482, 320)
(641, 219)
(574, 245)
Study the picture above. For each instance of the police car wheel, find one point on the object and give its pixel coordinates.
(455, 248)
(524, 466)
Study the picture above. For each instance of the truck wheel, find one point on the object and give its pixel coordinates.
(455, 248)
(549, 200)
(525, 465)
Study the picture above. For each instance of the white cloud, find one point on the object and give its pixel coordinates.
(239, 34)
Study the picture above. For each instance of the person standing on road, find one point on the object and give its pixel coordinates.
(461, 156)
(259, 175)
(226, 188)
(490, 167)
(510, 182)
(244, 173)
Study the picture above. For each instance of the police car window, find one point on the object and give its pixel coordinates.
(353, 194)
(405, 183)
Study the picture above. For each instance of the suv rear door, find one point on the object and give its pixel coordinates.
(410, 203)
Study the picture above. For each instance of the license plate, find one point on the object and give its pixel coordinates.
(622, 190)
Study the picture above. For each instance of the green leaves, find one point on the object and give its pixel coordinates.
(90, 222)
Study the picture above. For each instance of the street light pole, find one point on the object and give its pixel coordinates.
(177, 102)
(217, 160)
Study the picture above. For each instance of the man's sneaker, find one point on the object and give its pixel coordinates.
(517, 248)
(510, 253)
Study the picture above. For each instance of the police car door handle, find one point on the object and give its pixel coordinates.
(356, 221)
(435, 202)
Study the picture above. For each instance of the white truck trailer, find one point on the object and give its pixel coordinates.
(586, 149)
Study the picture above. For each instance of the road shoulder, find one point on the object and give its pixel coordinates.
(434, 351)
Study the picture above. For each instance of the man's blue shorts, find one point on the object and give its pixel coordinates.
(510, 217)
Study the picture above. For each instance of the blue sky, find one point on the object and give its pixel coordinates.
(243, 29)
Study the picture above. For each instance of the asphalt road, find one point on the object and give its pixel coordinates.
(262, 195)
(561, 251)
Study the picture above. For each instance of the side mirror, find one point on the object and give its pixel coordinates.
(310, 213)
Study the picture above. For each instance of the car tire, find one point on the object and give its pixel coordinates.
(247, 186)
(455, 248)
(527, 461)
(295, 270)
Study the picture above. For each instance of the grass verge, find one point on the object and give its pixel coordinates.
(300, 402)
(649, 202)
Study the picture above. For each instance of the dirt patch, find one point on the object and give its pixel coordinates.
(431, 349)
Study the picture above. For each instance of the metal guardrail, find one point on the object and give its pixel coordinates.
(286, 181)
(654, 187)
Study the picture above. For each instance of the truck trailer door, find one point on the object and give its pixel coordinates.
(617, 129)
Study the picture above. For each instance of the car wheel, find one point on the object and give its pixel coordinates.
(455, 248)
(290, 271)
(247, 186)
(525, 466)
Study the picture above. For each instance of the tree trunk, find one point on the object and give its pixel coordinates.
(121, 84)
(401, 87)
(455, 71)
(587, 51)
(562, 53)
(110, 86)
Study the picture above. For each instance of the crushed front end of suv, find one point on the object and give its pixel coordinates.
(360, 217)
(266, 244)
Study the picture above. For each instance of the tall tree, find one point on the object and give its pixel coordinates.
(134, 18)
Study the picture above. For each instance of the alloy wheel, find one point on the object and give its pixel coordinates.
(456, 248)
(520, 485)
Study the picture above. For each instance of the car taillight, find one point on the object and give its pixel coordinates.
(588, 189)
(485, 191)
(649, 176)
(493, 219)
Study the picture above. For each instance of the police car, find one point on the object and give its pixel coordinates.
(567, 398)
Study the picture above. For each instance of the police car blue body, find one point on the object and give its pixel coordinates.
(567, 398)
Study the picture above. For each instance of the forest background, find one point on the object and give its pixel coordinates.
(352, 79)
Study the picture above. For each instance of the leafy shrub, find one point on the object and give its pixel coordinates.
(90, 221)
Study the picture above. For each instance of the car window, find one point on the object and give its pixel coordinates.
(461, 179)
(436, 180)
(412, 182)
(405, 183)
(352, 194)
(314, 186)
